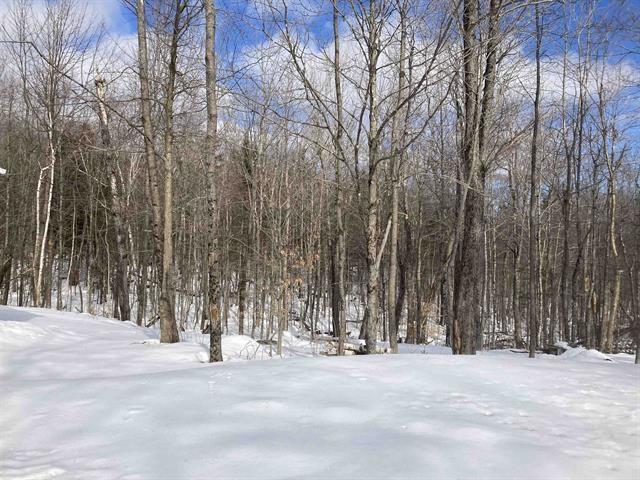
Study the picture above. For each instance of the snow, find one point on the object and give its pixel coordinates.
(589, 355)
(90, 398)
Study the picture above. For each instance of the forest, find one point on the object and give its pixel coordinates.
(319, 239)
(386, 170)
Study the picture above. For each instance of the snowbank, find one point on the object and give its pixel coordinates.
(582, 354)
(586, 355)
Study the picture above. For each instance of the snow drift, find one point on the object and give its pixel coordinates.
(90, 398)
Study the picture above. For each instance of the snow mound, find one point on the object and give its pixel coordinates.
(582, 354)
(242, 347)
(585, 355)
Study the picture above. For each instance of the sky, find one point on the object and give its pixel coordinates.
(239, 29)
(119, 19)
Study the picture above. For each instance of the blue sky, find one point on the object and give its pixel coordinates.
(235, 14)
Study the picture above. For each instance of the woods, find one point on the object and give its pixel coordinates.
(392, 170)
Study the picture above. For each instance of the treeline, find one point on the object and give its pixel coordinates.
(385, 165)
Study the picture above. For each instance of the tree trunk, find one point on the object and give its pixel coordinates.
(534, 227)
(339, 241)
(466, 279)
(396, 161)
(120, 283)
(212, 159)
(242, 296)
(168, 328)
(373, 264)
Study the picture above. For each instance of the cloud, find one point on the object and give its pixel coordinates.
(110, 13)
(113, 14)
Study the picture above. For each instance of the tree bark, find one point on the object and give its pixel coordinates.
(373, 266)
(120, 283)
(340, 243)
(211, 161)
(396, 160)
(466, 279)
(534, 227)
(168, 328)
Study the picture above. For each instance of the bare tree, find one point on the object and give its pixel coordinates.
(212, 169)
(118, 208)
(163, 247)
(534, 228)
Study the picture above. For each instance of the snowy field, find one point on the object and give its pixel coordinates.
(83, 397)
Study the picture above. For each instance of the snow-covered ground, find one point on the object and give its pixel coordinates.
(83, 397)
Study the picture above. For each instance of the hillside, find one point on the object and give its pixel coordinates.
(85, 397)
